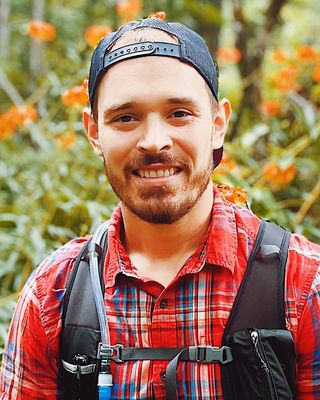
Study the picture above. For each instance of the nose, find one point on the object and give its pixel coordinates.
(155, 136)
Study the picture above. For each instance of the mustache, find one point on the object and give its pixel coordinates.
(161, 158)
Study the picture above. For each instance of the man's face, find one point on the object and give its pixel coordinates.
(156, 133)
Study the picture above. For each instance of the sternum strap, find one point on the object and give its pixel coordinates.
(206, 354)
(119, 354)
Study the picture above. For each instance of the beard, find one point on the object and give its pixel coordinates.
(164, 204)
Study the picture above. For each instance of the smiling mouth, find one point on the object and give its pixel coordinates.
(159, 173)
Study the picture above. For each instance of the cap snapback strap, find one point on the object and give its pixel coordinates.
(142, 49)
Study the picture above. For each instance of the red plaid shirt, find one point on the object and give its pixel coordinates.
(192, 310)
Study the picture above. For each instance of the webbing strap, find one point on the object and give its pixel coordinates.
(171, 376)
(78, 369)
(119, 354)
(203, 354)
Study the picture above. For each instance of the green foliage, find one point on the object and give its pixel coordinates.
(52, 187)
(204, 11)
(48, 196)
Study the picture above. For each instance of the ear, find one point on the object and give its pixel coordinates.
(220, 122)
(91, 128)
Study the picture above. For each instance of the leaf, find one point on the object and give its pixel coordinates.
(305, 107)
(253, 134)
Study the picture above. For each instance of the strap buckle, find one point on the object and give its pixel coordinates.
(78, 369)
(108, 352)
(209, 354)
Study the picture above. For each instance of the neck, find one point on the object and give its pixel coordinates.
(157, 241)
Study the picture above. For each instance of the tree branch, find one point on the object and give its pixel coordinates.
(4, 28)
(252, 41)
(272, 14)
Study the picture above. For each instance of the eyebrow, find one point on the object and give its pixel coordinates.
(182, 100)
(118, 107)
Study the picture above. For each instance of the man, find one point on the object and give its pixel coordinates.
(177, 252)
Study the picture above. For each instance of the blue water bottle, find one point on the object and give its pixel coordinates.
(105, 385)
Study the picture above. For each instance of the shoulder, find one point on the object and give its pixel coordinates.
(302, 277)
(59, 261)
(304, 249)
(303, 262)
(303, 258)
(50, 279)
(44, 291)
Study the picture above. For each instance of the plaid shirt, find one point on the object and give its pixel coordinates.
(192, 310)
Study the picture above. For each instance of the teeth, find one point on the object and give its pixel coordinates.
(160, 173)
(153, 174)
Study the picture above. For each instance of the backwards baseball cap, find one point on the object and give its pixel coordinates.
(190, 49)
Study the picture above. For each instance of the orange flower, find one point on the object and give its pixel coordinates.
(76, 96)
(95, 33)
(289, 174)
(128, 9)
(42, 30)
(285, 79)
(229, 55)
(68, 140)
(271, 107)
(16, 116)
(240, 196)
(306, 53)
(316, 73)
(23, 114)
(289, 73)
(226, 191)
(286, 86)
(159, 14)
(277, 176)
(7, 126)
(279, 56)
(235, 195)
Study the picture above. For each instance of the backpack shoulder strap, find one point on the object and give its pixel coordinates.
(80, 331)
(79, 286)
(260, 299)
(71, 279)
(79, 311)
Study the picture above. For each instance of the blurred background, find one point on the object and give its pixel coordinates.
(52, 187)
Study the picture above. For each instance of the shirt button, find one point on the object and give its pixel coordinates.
(164, 303)
(163, 376)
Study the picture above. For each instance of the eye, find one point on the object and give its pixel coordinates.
(180, 114)
(125, 118)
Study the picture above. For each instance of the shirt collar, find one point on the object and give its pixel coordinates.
(222, 244)
(220, 249)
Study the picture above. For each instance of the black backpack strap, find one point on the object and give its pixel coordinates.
(80, 333)
(81, 255)
(259, 303)
(260, 299)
